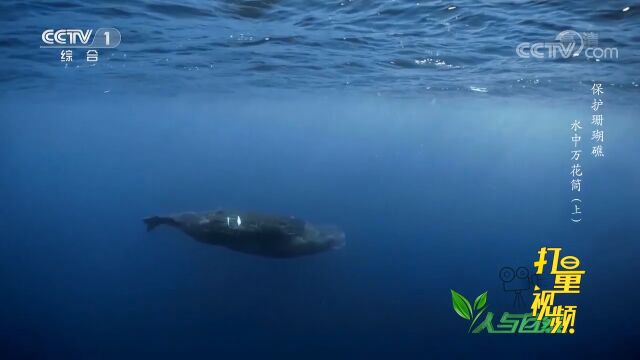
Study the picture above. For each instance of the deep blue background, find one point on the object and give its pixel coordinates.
(412, 125)
(432, 197)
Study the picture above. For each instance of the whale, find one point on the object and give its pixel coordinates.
(254, 233)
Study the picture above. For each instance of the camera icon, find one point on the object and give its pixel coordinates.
(516, 281)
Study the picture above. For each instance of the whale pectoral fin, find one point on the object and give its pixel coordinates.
(153, 221)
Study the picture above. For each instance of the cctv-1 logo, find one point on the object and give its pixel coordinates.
(79, 38)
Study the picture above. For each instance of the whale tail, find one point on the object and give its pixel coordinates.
(153, 221)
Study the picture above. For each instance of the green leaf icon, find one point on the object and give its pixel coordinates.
(461, 305)
(480, 302)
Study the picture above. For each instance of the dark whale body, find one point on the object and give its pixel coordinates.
(253, 233)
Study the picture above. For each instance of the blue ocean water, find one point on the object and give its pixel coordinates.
(413, 126)
(391, 47)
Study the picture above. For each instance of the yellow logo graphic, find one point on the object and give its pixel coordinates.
(546, 316)
(567, 281)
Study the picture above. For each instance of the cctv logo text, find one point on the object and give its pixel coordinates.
(66, 37)
(567, 44)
